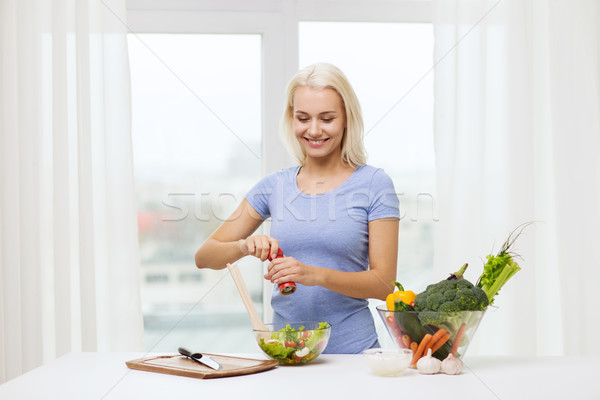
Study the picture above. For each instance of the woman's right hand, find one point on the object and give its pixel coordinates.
(260, 246)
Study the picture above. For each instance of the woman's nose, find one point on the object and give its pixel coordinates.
(313, 129)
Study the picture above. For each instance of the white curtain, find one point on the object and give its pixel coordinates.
(517, 132)
(68, 236)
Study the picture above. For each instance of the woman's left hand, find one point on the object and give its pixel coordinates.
(288, 269)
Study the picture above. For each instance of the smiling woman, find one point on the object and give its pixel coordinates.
(338, 222)
(282, 39)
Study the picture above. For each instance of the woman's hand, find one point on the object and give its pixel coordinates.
(260, 246)
(288, 269)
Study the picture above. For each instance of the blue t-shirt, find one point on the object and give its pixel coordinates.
(327, 230)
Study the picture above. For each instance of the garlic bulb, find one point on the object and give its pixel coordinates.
(428, 364)
(452, 365)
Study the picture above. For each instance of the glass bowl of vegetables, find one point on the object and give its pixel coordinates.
(294, 343)
(445, 332)
(445, 317)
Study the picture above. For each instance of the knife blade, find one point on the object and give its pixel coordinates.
(201, 358)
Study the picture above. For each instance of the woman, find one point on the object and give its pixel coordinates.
(335, 218)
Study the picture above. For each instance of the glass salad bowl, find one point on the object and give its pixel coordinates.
(294, 343)
(443, 332)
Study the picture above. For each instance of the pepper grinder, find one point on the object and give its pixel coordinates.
(286, 287)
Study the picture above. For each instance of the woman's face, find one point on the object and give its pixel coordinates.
(319, 121)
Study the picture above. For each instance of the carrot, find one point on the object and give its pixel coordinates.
(458, 338)
(421, 348)
(413, 346)
(436, 336)
(406, 341)
(440, 342)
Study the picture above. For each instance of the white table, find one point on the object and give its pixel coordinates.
(105, 376)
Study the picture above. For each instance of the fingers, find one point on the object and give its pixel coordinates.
(261, 246)
(283, 270)
(274, 248)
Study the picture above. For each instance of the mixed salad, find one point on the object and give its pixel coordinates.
(295, 347)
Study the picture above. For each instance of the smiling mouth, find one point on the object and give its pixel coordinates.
(316, 142)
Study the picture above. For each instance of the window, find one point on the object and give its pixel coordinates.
(218, 70)
(197, 150)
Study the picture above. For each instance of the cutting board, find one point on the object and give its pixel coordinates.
(183, 366)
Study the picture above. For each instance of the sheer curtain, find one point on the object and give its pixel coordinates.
(517, 132)
(68, 235)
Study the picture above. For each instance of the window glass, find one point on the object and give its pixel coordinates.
(390, 67)
(197, 149)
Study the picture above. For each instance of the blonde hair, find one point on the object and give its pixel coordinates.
(323, 76)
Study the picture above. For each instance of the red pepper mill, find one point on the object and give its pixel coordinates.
(286, 287)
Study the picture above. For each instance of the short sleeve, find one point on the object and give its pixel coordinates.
(384, 201)
(259, 196)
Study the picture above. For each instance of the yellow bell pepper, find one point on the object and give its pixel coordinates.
(407, 296)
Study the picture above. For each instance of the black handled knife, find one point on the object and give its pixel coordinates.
(201, 358)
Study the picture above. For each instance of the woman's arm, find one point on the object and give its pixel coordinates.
(375, 283)
(232, 240)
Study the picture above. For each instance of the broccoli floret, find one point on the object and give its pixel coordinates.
(449, 307)
(463, 284)
(439, 304)
(466, 299)
(449, 295)
(434, 300)
(420, 303)
(452, 295)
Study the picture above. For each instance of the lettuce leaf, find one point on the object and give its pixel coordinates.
(276, 349)
(317, 335)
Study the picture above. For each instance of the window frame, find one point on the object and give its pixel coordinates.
(277, 22)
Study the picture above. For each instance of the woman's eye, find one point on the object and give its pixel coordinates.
(327, 119)
(302, 119)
